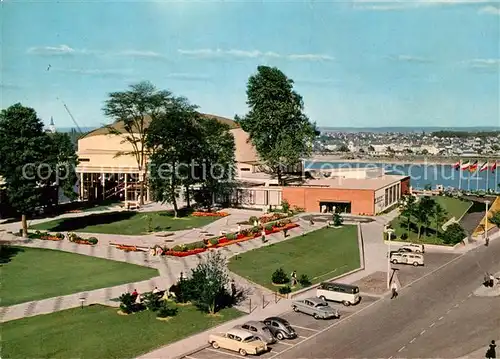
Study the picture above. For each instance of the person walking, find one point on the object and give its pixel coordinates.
(239, 228)
(491, 353)
(294, 278)
(233, 289)
(263, 235)
(394, 288)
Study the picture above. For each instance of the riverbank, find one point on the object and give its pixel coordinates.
(422, 161)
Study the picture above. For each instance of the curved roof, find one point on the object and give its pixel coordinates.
(119, 125)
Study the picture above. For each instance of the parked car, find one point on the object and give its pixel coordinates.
(239, 341)
(316, 307)
(280, 328)
(337, 292)
(407, 258)
(413, 247)
(259, 330)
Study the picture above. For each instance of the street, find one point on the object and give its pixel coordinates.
(437, 316)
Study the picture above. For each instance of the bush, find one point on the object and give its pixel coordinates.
(213, 241)
(231, 236)
(60, 235)
(404, 236)
(92, 240)
(285, 290)
(304, 280)
(285, 206)
(255, 230)
(152, 301)
(337, 220)
(252, 220)
(127, 303)
(165, 310)
(279, 277)
(269, 227)
(454, 234)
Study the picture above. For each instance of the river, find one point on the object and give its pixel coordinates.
(424, 174)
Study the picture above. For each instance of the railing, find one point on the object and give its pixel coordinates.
(114, 191)
(263, 302)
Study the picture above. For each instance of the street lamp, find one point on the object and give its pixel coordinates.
(486, 239)
(82, 300)
(390, 231)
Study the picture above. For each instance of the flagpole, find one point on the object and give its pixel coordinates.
(496, 177)
(460, 176)
(487, 175)
(477, 177)
(468, 180)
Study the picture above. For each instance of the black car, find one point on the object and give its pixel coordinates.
(280, 328)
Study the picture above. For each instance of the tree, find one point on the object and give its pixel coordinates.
(343, 148)
(175, 139)
(65, 160)
(209, 283)
(276, 123)
(136, 108)
(371, 148)
(454, 234)
(425, 152)
(422, 214)
(495, 218)
(408, 208)
(23, 150)
(439, 214)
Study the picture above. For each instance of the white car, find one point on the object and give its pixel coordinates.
(412, 247)
(238, 340)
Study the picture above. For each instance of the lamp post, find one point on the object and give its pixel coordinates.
(82, 300)
(390, 231)
(486, 239)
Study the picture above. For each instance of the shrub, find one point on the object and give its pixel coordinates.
(255, 229)
(454, 234)
(279, 277)
(231, 236)
(386, 236)
(245, 232)
(165, 310)
(213, 241)
(285, 290)
(60, 235)
(177, 248)
(92, 240)
(152, 301)
(304, 280)
(285, 206)
(337, 220)
(252, 220)
(269, 227)
(404, 236)
(127, 303)
(298, 209)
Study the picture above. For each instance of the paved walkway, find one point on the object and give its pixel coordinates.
(170, 269)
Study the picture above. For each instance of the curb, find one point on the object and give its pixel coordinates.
(193, 351)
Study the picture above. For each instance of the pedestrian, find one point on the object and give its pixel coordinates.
(239, 228)
(233, 289)
(311, 222)
(394, 288)
(491, 280)
(294, 278)
(263, 235)
(491, 353)
(135, 293)
(285, 233)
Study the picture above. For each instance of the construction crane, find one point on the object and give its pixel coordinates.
(70, 115)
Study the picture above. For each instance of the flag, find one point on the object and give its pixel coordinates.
(494, 166)
(465, 165)
(457, 165)
(484, 167)
(473, 167)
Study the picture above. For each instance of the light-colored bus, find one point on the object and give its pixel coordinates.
(337, 292)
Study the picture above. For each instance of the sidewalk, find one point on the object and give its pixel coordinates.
(480, 353)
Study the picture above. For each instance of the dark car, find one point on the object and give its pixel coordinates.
(280, 328)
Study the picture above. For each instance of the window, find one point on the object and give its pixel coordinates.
(244, 326)
(276, 325)
(84, 159)
(253, 329)
(245, 169)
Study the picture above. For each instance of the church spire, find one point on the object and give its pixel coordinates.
(52, 127)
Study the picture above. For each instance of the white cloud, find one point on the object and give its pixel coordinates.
(409, 58)
(96, 72)
(52, 50)
(188, 76)
(490, 10)
(387, 5)
(218, 53)
(139, 53)
(484, 63)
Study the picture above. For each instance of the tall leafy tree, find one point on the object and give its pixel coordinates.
(495, 218)
(136, 108)
(64, 159)
(408, 208)
(439, 214)
(278, 128)
(23, 149)
(174, 137)
(423, 213)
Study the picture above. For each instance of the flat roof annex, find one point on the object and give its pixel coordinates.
(355, 183)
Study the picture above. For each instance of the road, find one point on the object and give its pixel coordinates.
(435, 317)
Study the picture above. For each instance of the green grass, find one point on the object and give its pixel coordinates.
(321, 255)
(33, 274)
(124, 222)
(99, 332)
(454, 208)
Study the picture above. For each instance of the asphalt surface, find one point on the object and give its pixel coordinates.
(435, 317)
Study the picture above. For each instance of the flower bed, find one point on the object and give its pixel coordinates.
(229, 239)
(210, 214)
(44, 236)
(73, 237)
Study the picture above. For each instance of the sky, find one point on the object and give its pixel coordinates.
(356, 63)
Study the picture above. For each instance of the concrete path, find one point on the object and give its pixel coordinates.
(170, 269)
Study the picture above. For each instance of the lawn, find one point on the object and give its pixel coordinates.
(33, 274)
(124, 222)
(99, 332)
(321, 255)
(454, 208)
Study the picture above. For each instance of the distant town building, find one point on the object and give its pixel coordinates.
(52, 127)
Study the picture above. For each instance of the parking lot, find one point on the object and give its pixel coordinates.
(305, 326)
(432, 261)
